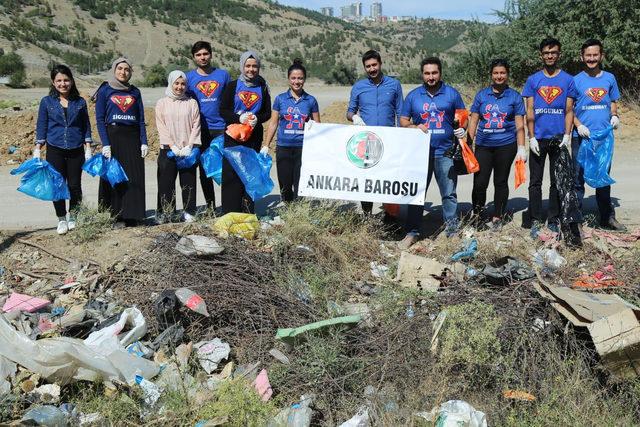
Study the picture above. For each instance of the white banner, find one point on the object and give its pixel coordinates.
(365, 163)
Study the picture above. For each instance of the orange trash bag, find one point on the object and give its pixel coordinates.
(521, 173)
(469, 158)
(392, 209)
(460, 117)
(240, 132)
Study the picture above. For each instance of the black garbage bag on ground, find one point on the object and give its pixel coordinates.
(570, 213)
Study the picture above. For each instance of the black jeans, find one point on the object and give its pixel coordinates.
(206, 136)
(69, 164)
(167, 173)
(497, 160)
(288, 161)
(548, 147)
(603, 194)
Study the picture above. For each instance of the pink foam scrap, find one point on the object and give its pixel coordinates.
(24, 303)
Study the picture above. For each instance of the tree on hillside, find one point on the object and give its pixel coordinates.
(12, 65)
(524, 23)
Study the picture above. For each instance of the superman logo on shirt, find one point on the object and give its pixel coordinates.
(596, 93)
(207, 87)
(494, 116)
(549, 93)
(123, 102)
(295, 117)
(248, 98)
(432, 115)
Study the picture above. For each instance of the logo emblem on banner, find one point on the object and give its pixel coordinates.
(365, 149)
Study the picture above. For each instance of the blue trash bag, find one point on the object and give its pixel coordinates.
(595, 157)
(186, 162)
(42, 181)
(252, 168)
(211, 159)
(108, 169)
(95, 165)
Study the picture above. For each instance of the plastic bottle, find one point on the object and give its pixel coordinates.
(410, 310)
(192, 301)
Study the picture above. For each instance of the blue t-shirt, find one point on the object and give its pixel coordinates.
(436, 112)
(378, 105)
(549, 102)
(247, 99)
(293, 115)
(207, 91)
(120, 107)
(497, 111)
(594, 98)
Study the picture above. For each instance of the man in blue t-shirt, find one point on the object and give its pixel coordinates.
(550, 96)
(205, 84)
(431, 108)
(374, 101)
(596, 109)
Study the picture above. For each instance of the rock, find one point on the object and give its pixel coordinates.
(198, 245)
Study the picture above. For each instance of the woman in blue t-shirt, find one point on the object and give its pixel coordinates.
(63, 125)
(120, 123)
(497, 126)
(291, 110)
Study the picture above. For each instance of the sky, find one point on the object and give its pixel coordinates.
(449, 9)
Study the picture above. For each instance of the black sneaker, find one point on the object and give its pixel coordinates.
(613, 224)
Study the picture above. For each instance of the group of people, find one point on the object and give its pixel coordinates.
(560, 112)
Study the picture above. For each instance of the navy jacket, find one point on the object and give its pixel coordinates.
(55, 129)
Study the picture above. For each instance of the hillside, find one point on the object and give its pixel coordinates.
(87, 34)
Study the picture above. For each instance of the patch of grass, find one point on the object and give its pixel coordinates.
(238, 402)
(91, 223)
(123, 409)
(8, 103)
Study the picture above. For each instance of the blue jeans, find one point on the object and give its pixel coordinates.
(603, 194)
(447, 180)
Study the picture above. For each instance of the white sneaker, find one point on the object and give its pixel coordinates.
(71, 224)
(63, 227)
(188, 218)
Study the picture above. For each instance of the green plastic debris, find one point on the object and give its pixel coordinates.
(290, 335)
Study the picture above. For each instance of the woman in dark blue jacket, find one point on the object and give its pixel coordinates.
(63, 125)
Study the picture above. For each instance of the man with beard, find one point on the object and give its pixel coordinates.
(596, 109)
(374, 101)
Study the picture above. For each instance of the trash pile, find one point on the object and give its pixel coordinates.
(231, 309)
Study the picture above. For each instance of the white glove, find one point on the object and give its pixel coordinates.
(583, 131)
(534, 146)
(144, 150)
(522, 153)
(566, 141)
(264, 150)
(175, 150)
(357, 120)
(309, 124)
(36, 152)
(87, 152)
(185, 151)
(252, 120)
(244, 117)
(615, 121)
(106, 151)
(460, 133)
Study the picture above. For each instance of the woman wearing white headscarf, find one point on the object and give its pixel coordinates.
(246, 100)
(178, 122)
(120, 123)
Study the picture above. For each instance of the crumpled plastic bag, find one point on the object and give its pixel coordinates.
(210, 353)
(521, 173)
(565, 183)
(211, 159)
(41, 181)
(360, 419)
(595, 157)
(8, 371)
(183, 162)
(240, 132)
(131, 317)
(108, 169)
(62, 359)
(253, 168)
(456, 413)
(237, 224)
